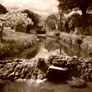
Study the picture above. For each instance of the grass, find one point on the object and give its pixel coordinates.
(15, 42)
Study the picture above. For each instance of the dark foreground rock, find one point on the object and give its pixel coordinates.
(24, 69)
(55, 72)
(77, 67)
(41, 68)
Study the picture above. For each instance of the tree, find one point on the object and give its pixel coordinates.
(52, 16)
(35, 19)
(16, 19)
(3, 10)
(67, 5)
(51, 21)
(51, 24)
(34, 16)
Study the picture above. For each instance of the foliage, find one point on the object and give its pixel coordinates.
(51, 24)
(34, 16)
(72, 39)
(51, 21)
(40, 30)
(53, 16)
(3, 10)
(14, 18)
(67, 5)
(81, 22)
(74, 20)
(36, 19)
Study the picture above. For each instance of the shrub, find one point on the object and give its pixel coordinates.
(14, 19)
(51, 24)
(3, 9)
(73, 20)
(82, 23)
(15, 42)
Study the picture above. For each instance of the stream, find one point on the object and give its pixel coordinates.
(47, 46)
(44, 48)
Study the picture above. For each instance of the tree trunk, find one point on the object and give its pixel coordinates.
(83, 11)
(1, 36)
(60, 22)
(1, 33)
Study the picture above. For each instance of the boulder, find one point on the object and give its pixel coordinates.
(26, 70)
(11, 70)
(23, 73)
(20, 67)
(41, 75)
(11, 76)
(75, 57)
(28, 75)
(16, 68)
(22, 76)
(59, 63)
(17, 74)
(6, 73)
(57, 72)
(15, 64)
(35, 74)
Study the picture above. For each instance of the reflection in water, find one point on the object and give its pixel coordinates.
(51, 44)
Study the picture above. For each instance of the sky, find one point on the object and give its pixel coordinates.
(43, 7)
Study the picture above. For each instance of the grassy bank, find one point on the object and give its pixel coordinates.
(81, 41)
(15, 42)
(84, 42)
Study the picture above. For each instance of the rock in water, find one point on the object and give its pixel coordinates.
(76, 82)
